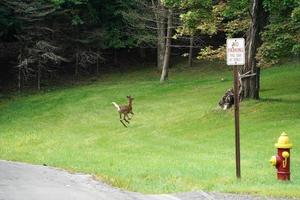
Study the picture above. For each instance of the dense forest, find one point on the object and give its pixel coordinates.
(43, 41)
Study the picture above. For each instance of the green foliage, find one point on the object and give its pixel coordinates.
(68, 3)
(281, 37)
(9, 25)
(93, 14)
(75, 7)
(117, 32)
(188, 4)
(296, 14)
(230, 18)
(278, 42)
(211, 18)
(211, 54)
(76, 21)
(195, 15)
(106, 18)
(236, 8)
(237, 27)
(280, 8)
(192, 23)
(236, 18)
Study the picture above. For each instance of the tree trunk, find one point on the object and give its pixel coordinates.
(77, 53)
(191, 51)
(77, 64)
(142, 52)
(115, 57)
(39, 77)
(19, 79)
(116, 62)
(258, 16)
(97, 66)
(165, 69)
(161, 47)
(160, 16)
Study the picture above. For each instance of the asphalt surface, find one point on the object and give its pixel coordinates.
(20, 181)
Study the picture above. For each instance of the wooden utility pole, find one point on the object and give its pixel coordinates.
(235, 53)
(237, 121)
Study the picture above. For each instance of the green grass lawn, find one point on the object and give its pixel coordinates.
(178, 139)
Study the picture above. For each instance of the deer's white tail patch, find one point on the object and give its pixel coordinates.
(116, 105)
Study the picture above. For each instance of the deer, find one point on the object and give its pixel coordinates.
(125, 110)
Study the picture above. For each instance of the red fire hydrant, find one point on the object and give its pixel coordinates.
(282, 160)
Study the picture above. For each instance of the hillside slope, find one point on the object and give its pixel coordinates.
(178, 139)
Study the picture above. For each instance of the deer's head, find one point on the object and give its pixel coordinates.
(130, 98)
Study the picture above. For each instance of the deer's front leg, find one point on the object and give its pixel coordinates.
(129, 118)
(125, 115)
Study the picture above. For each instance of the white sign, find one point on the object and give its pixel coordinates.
(235, 51)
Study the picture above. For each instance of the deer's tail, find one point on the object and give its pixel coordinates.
(116, 105)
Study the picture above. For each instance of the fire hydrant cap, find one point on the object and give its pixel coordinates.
(283, 142)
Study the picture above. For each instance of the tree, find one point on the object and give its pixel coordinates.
(165, 68)
(233, 19)
(149, 21)
(253, 42)
(160, 13)
(42, 40)
(281, 35)
(30, 14)
(97, 27)
(271, 29)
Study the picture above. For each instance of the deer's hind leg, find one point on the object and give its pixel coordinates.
(122, 120)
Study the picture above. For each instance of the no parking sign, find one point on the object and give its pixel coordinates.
(235, 51)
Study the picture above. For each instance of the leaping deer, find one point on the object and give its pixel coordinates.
(125, 110)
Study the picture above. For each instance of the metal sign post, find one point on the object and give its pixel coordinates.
(235, 53)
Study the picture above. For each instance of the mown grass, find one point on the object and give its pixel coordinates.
(178, 139)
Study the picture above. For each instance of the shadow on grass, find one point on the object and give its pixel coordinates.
(266, 89)
(279, 100)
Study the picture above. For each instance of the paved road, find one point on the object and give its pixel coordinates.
(19, 181)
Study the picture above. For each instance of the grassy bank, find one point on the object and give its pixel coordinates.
(178, 139)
